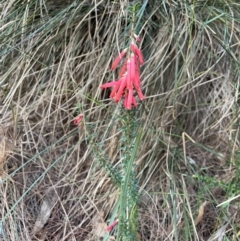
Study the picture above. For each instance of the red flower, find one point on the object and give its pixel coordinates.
(137, 52)
(77, 119)
(110, 84)
(111, 226)
(121, 88)
(117, 60)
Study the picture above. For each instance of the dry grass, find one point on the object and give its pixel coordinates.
(55, 54)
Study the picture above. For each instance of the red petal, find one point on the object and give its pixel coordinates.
(117, 60)
(121, 88)
(110, 84)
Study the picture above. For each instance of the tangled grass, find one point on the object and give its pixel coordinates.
(54, 55)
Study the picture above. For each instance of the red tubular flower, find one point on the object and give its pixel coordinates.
(128, 75)
(140, 94)
(137, 51)
(136, 84)
(136, 80)
(78, 119)
(110, 84)
(121, 88)
(117, 60)
(111, 226)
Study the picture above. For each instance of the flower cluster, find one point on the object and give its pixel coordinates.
(128, 77)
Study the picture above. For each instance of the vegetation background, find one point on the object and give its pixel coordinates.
(54, 55)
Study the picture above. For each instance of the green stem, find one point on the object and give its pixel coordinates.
(128, 210)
